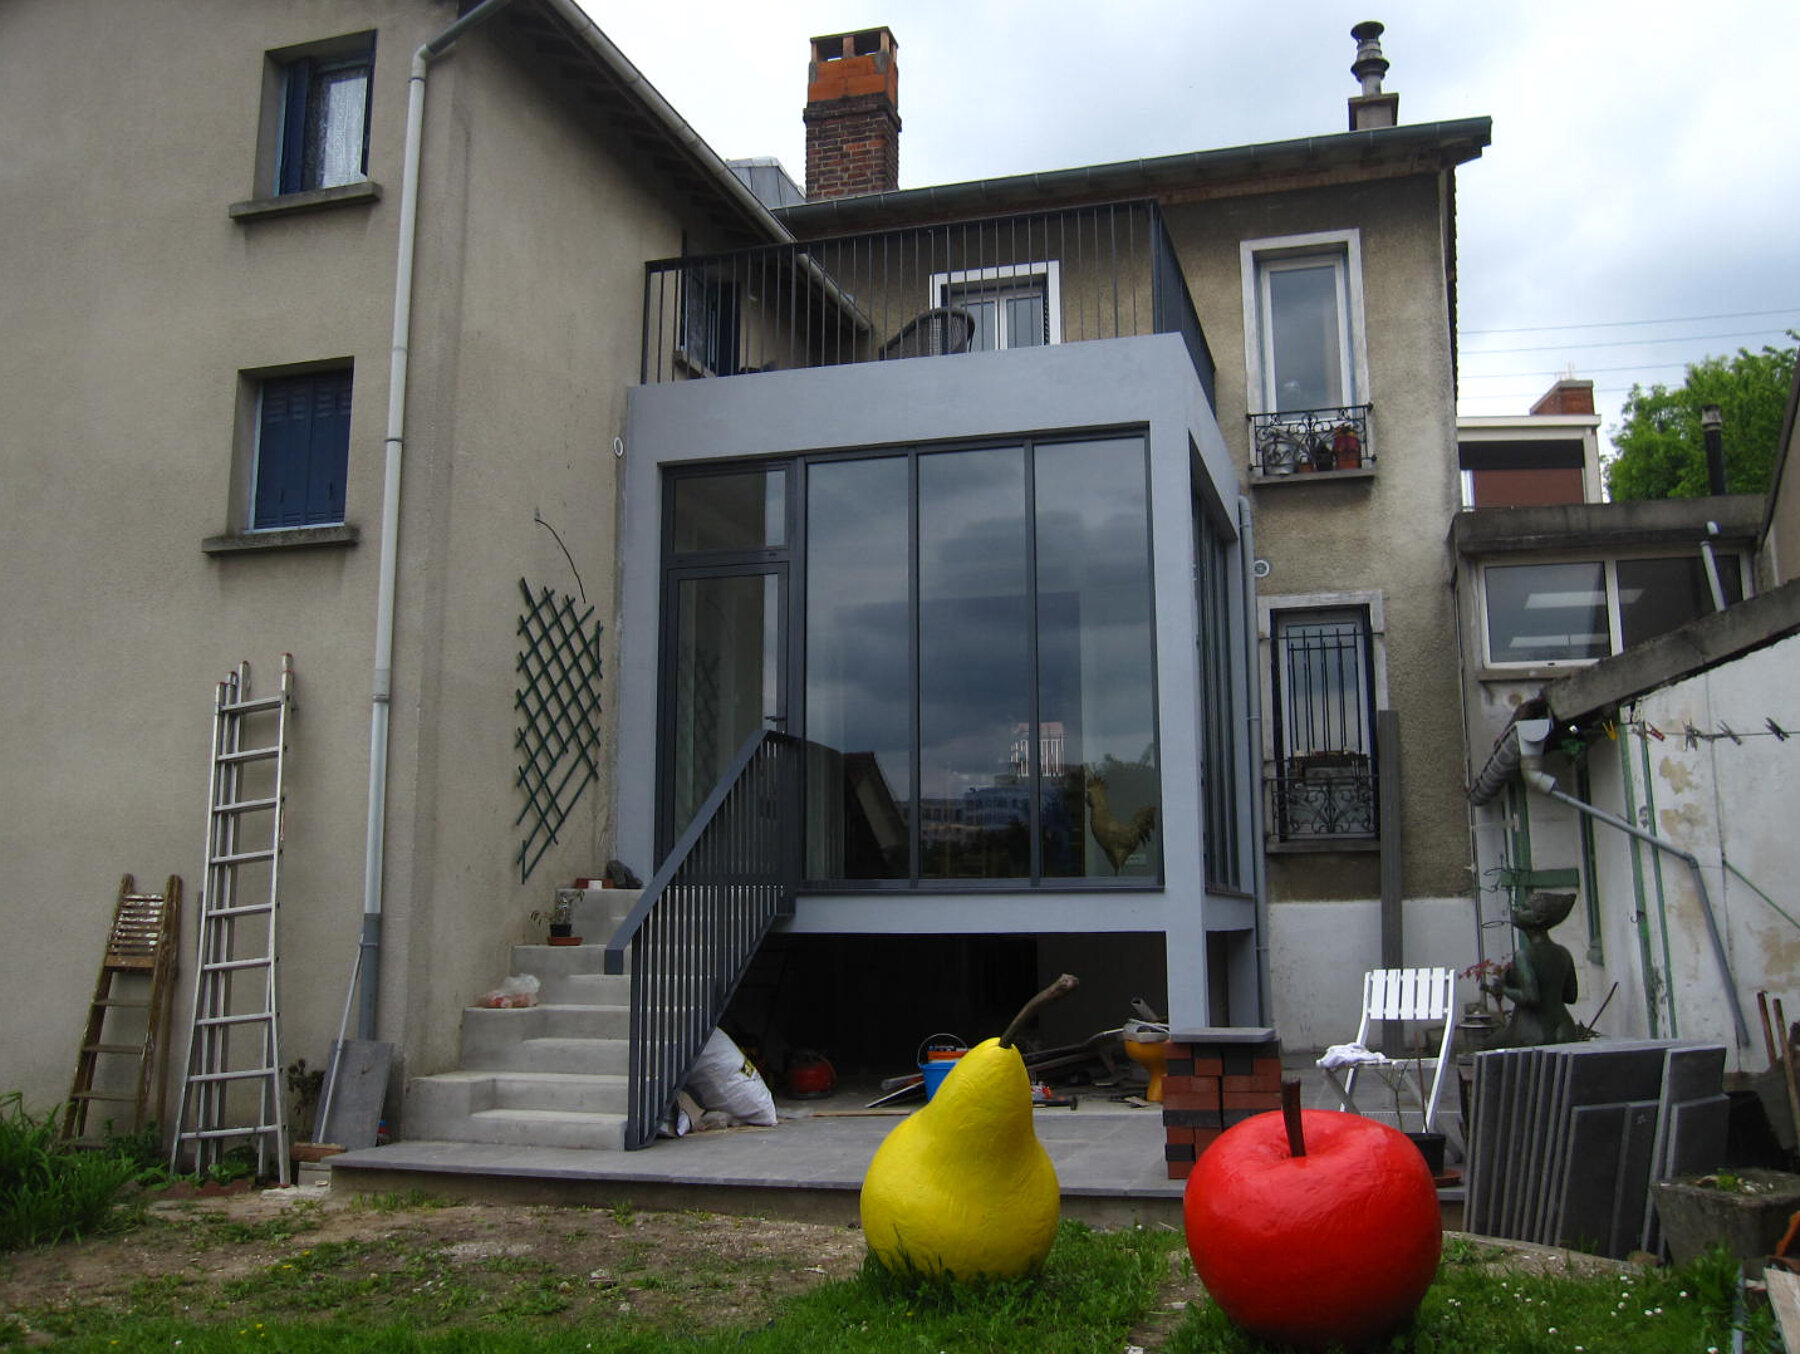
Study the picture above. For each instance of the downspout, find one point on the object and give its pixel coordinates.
(374, 840)
(1259, 864)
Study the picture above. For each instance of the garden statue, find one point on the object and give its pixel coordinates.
(1540, 981)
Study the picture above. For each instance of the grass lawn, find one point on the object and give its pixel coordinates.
(407, 1275)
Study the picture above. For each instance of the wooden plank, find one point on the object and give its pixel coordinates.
(1784, 1296)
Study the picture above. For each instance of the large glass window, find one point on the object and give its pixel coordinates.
(979, 691)
(1218, 702)
(858, 670)
(1095, 679)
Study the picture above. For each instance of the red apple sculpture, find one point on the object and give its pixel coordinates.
(1313, 1227)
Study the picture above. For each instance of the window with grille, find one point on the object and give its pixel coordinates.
(1322, 682)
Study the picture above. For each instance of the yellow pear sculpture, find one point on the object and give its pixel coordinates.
(963, 1188)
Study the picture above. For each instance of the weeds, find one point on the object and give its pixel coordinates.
(49, 1191)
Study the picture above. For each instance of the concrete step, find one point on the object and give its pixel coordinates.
(541, 1128)
(435, 1103)
(599, 911)
(484, 1029)
(585, 989)
(550, 1053)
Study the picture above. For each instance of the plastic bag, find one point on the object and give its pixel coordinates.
(724, 1079)
(517, 991)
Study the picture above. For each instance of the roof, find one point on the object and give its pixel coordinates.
(560, 41)
(1605, 526)
(1380, 152)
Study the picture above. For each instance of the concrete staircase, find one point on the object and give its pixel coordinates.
(550, 1075)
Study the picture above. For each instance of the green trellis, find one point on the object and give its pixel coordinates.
(559, 708)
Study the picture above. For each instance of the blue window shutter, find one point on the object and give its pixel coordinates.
(290, 169)
(329, 450)
(303, 450)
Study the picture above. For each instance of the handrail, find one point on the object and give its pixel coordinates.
(702, 917)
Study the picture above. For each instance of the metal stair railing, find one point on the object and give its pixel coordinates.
(701, 919)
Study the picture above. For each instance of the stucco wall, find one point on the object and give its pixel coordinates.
(145, 301)
(1383, 533)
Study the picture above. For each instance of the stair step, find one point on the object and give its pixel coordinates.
(548, 1128)
(552, 1054)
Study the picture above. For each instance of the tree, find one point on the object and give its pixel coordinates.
(1660, 449)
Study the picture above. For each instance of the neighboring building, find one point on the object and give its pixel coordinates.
(201, 243)
(1611, 648)
(1551, 455)
(954, 485)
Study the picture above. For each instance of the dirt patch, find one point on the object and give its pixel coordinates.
(290, 1253)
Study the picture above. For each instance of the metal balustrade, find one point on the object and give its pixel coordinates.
(1311, 441)
(701, 919)
(1096, 272)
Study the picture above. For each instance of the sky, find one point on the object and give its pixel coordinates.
(1638, 208)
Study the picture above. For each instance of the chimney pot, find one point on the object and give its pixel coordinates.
(1371, 108)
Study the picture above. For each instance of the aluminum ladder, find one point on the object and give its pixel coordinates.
(232, 1088)
(127, 1023)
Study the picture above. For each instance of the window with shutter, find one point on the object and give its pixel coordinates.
(303, 451)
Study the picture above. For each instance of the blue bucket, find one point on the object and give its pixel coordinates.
(935, 1071)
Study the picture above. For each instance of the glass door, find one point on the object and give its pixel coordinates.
(724, 650)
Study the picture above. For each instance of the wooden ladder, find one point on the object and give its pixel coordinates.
(142, 945)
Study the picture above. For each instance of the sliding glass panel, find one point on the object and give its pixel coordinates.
(974, 666)
(1541, 613)
(858, 671)
(731, 512)
(1095, 697)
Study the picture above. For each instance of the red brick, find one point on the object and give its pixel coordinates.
(1249, 1100)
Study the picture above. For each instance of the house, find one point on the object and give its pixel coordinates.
(1627, 709)
(983, 580)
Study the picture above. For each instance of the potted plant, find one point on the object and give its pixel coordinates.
(1429, 1142)
(561, 918)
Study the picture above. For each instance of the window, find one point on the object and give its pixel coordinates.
(1576, 611)
(1324, 686)
(709, 330)
(324, 120)
(1304, 355)
(1015, 305)
(302, 450)
(979, 698)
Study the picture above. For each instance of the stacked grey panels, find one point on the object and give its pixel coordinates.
(1565, 1141)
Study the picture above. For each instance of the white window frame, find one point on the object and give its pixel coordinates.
(1257, 258)
(1049, 271)
(1615, 644)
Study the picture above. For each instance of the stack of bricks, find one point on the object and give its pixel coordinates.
(1215, 1078)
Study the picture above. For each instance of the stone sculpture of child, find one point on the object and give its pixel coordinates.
(1540, 981)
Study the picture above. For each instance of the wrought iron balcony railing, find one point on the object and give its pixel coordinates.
(1097, 272)
(1311, 441)
(1317, 802)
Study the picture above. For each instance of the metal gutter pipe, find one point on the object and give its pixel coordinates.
(1706, 908)
(375, 832)
(1259, 865)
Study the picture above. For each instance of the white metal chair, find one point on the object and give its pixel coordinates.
(1424, 996)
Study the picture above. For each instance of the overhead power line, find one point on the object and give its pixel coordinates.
(1793, 310)
(1625, 343)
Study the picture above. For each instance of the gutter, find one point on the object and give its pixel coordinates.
(1521, 751)
(368, 957)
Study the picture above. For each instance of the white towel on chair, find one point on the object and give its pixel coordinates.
(1348, 1055)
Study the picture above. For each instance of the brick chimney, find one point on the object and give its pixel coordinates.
(852, 115)
(1371, 108)
(1567, 396)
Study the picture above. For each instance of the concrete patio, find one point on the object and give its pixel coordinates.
(1108, 1157)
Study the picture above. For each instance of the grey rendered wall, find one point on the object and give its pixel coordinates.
(1143, 381)
(145, 300)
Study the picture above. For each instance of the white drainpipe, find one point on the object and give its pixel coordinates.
(374, 840)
